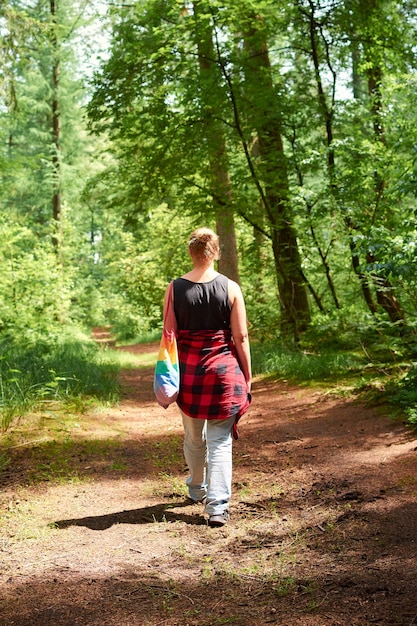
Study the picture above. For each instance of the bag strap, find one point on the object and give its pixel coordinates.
(170, 321)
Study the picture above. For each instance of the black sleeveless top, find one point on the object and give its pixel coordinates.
(202, 306)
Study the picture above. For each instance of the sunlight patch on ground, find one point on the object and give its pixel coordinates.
(376, 455)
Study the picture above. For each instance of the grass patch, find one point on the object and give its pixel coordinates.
(4, 461)
(68, 370)
(146, 338)
(305, 365)
(374, 368)
(129, 360)
(67, 460)
(166, 453)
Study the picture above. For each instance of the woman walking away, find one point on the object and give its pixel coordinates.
(215, 373)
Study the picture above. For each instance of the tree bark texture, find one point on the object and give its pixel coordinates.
(272, 168)
(56, 129)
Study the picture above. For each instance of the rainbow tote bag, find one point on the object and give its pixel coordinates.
(166, 381)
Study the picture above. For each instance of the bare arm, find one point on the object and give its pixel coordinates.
(166, 301)
(170, 323)
(239, 329)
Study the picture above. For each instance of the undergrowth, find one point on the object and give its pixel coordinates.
(375, 363)
(304, 365)
(67, 370)
(402, 393)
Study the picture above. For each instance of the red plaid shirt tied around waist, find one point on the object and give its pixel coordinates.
(212, 384)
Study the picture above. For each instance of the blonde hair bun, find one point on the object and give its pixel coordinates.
(204, 244)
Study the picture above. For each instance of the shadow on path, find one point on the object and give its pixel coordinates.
(147, 515)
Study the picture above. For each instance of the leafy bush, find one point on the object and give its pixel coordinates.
(403, 394)
(412, 416)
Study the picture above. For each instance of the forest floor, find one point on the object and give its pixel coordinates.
(96, 530)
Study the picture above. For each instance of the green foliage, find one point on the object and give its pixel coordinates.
(371, 360)
(29, 51)
(335, 345)
(402, 394)
(35, 291)
(52, 370)
(131, 269)
(412, 415)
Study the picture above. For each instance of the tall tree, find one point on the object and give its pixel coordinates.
(221, 188)
(211, 108)
(56, 123)
(265, 116)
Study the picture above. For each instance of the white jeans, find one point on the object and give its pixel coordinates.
(208, 454)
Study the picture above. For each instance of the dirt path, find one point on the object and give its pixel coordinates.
(323, 529)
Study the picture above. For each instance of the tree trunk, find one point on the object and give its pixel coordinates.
(366, 290)
(56, 131)
(221, 190)
(295, 313)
